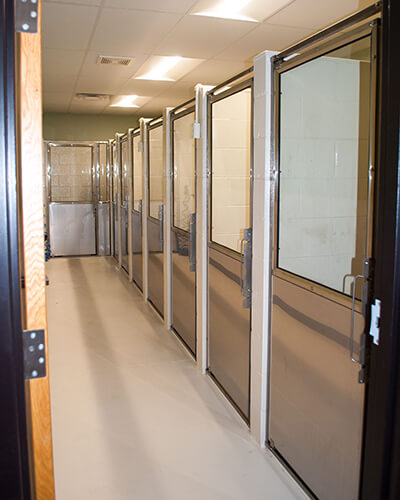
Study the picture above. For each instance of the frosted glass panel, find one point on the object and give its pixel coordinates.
(231, 164)
(115, 175)
(155, 170)
(184, 172)
(71, 174)
(137, 174)
(324, 129)
(102, 166)
(124, 172)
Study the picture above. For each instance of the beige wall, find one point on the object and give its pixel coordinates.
(184, 170)
(85, 127)
(231, 150)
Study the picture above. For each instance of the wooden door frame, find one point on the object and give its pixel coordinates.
(14, 453)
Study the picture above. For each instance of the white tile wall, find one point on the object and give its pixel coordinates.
(137, 173)
(71, 174)
(184, 171)
(231, 157)
(156, 179)
(323, 183)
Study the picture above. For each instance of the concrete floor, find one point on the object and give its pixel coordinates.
(132, 416)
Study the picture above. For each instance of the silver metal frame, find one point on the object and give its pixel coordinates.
(153, 124)
(365, 29)
(347, 31)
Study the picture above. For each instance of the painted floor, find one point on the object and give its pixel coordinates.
(133, 418)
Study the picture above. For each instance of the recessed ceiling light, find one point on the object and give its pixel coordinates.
(166, 68)
(253, 11)
(128, 101)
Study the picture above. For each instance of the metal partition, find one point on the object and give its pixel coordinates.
(155, 215)
(115, 188)
(183, 225)
(230, 240)
(137, 210)
(322, 262)
(124, 200)
(71, 199)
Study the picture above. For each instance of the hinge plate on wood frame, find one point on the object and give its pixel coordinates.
(26, 16)
(34, 354)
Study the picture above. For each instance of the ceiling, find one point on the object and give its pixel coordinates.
(75, 33)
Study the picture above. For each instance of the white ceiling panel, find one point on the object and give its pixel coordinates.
(64, 62)
(178, 6)
(56, 82)
(141, 87)
(202, 37)
(107, 85)
(264, 37)
(131, 32)
(56, 101)
(156, 106)
(314, 14)
(215, 71)
(90, 67)
(86, 107)
(182, 91)
(67, 26)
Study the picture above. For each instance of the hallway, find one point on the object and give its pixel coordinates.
(133, 418)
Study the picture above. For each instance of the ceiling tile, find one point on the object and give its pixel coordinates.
(141, 87)
(91, 69)
(215, 71)
(313, 14)
(157, 105)
(67, 26)
(86, 107)
(56, 82)
(178, 6)
(135, 32)
(62, 61)
(56, 101)
(107, 85)
(264, 37)
(181, 90)
(202, 37)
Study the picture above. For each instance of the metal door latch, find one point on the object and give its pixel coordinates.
(196, 130)
(26, 16)
(375, 321)
(34, 354)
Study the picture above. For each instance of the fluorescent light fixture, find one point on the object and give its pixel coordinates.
(128, 101)
(161, 70)
(253, 11)
(166, 68)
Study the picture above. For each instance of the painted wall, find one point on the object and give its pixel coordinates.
(85, 127)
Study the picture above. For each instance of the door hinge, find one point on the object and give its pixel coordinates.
(26, 16)
(375, 321)
(34, 354)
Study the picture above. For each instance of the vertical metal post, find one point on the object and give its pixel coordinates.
(130, 203)
(167, 170)
(144, 150)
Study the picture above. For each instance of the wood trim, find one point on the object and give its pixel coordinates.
(30, 148)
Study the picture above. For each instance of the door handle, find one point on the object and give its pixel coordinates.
(245, 267)
(192, 243)
(161, 219)
(353, 359)
(141, 216)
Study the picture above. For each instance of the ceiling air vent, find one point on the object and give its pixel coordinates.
(86, 96)
(115, 60)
